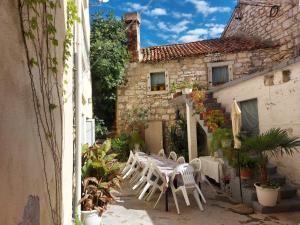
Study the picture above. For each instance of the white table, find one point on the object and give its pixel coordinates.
(212, 167)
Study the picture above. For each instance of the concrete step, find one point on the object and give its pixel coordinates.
(286, 205)
(213, 106)
(209, 95)
(287, 192)
(278, 179)
(210, 100)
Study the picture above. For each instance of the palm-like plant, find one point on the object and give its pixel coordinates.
(274, 142)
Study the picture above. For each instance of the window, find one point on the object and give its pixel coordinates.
(250, 122)
(219, 73)
(157, 82)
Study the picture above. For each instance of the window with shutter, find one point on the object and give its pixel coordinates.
(250, 121)
(157, 83)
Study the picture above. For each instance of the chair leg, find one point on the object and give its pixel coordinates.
(161, 193)
(139, 182)
(144, 191)
(151, 193)
(135, 178)
(128, 173)
(141, 186)
(185, 195)
(198, 199)
(175, 200)
(209, 184)
(200, 193)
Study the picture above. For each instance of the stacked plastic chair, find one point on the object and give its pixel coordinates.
(186, 172)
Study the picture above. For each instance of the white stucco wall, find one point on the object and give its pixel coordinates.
(278, 106)
(20, 155)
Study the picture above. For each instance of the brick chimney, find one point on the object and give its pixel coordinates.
(133, 21)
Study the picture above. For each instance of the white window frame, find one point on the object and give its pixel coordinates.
(149, 92)
(229, 64)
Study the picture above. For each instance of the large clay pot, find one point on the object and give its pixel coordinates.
(266, 196)
(245, 173)
(91, 217)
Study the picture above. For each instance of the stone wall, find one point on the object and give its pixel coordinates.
(134, 93)
(282, 29)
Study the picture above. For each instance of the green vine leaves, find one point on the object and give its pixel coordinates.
(39, 31)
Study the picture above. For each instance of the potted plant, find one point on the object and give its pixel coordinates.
(215, 118)
(186, 88)
(155, 87)
(162, 87)
(100, 173)
(175, 90)
(221, 140)
(198, 98)
(247, 164)
(136, 142)
(274, 142)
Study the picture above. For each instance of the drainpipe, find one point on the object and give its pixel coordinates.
(78, 105)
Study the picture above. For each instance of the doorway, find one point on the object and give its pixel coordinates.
(202, 148)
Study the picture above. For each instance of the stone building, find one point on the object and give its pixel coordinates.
(235, 53)
(258, 51)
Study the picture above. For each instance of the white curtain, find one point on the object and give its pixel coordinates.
(220, 75)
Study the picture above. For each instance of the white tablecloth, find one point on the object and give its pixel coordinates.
(212, 167)
(166, 166)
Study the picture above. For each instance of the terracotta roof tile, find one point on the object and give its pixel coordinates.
(223, 45)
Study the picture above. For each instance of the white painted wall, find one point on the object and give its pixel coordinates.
(20, 158)
(278, 106)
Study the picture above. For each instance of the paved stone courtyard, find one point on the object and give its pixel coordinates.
(128, 210)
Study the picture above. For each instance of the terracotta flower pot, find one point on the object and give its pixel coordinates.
(245, 173)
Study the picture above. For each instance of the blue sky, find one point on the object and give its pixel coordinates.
(174, 21)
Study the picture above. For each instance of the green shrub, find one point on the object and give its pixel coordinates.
(177, 138)
(120, 146)
(100, 129)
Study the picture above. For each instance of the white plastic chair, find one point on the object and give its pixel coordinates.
(180, 160)
(155, 180)
(134, 167)
(128, 163)
(161, 153)
(143, 176)
(187, 174)
(173, 156)
(196, 164)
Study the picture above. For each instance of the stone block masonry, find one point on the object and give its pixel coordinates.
(282, 29)
(195, 69)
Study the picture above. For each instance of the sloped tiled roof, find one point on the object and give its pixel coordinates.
(223, 45)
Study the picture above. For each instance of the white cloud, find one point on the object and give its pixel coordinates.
(199, 31)
(158, 12)
(174, 28)
(149, 24)
(135, 7)
(215, 29)
(150, 43)
(211, 30)
(189, 38)
(204, 8)
(179, 15)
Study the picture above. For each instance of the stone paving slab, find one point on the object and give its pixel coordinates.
(128, 210)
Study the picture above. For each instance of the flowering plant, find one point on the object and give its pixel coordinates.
(215, 119)
(198, 97)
